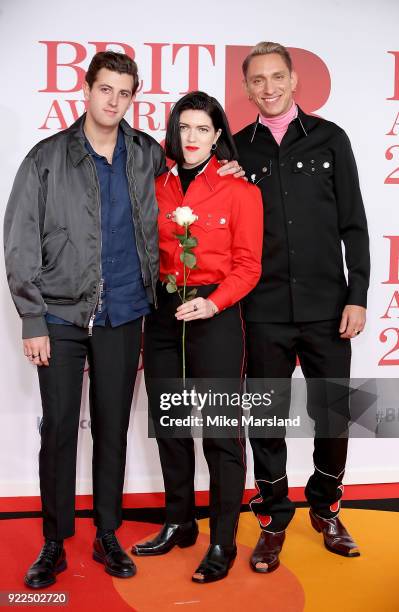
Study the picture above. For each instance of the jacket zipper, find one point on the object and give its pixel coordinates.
(134, 199)
(100, 287)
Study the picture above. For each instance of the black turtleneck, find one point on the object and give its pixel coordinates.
(186, 175)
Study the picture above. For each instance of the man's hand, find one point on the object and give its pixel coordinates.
(231, 167)
(353, 321)
(198, 308)
(37, 350)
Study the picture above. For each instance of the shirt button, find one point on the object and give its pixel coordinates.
(290, 222)
(285, 192)
(222, 221)
(176, 273)
(282, 164)
(326, 165)
(299, 165)
(294, 280)
(292, 252)
(264, 169)
(312, 161)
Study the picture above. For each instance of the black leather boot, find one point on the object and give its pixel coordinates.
(183, 535)
(216, 563)
(50, 562)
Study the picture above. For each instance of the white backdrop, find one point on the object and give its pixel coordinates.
(357, 41)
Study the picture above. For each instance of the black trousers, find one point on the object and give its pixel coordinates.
(272, 350)
(214, 349)
(113, 354)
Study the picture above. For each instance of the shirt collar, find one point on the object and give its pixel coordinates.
(298, 119)
(120, 146)
(76, 138)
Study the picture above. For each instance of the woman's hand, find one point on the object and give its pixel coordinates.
(198, 308)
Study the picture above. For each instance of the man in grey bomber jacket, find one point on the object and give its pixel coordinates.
(81, 251)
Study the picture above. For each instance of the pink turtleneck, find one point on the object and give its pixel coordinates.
(279, 125)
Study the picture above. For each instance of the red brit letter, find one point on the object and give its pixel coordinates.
(395, 77)
(193, 62)
(156, 54)
(393, 261)
(53, 64)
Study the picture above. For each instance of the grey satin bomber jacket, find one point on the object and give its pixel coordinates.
(52, 226)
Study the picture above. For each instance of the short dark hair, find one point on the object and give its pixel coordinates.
(266, 48)
(199, 100)
(117, 62)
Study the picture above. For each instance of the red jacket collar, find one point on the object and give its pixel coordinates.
(209, 173)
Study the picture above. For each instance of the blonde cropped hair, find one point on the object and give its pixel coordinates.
(265, 48)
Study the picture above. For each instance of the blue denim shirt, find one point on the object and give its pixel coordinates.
(123, 298)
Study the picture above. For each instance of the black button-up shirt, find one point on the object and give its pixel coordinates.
(312, 204)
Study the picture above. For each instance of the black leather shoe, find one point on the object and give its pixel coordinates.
(108, 551)
(183, 535)
(216, 563)
(50, 562)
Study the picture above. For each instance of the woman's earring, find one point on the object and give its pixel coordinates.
(214, 146)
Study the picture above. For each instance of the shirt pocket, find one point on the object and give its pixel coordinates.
(319, 165)
(166, 223)
(212, 221)
(259, 171)
(213, 232)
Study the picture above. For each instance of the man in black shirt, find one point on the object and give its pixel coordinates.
(303, 304)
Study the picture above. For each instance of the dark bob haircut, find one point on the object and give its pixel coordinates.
(199, 100)
(116, 62)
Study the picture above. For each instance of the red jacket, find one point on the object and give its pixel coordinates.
(229, 230)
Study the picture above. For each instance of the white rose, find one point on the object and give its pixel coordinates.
(184, 216)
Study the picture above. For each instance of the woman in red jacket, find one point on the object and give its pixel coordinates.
(228, 228)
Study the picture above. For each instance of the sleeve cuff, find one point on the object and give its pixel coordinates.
(33, 327)
(219, 299)
(357, 297)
